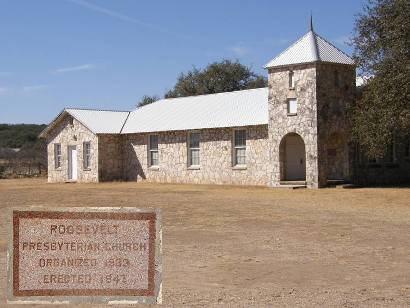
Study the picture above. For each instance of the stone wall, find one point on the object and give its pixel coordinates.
(304, 123)
(335, 92)
(111, 154)
(323, 91)
(216, 158)
(72, 135)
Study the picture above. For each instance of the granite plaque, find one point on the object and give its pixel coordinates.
(107, 255)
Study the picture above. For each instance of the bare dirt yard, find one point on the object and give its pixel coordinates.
(252, 246)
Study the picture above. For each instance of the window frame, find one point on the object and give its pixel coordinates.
(407, 148)
(235, 147)
(291, 80)
(57, 156)
(393, 157)
(151, 150)
(288, 101)
(87, 155)
(191, 149)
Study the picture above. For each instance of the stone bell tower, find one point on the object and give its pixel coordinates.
(310, 85)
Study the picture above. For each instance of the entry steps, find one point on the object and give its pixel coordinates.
(340, 184)
(302, 184)
(292, 184)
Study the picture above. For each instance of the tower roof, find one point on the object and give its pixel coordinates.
(310, 48)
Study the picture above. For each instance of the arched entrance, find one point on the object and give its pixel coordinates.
(292, 157)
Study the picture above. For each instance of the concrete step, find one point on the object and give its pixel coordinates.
(335, 182)
(292, 184)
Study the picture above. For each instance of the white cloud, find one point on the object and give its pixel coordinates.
(3, 90)
(120, 16)
(34, 88)
(239, 50)
(83, 67)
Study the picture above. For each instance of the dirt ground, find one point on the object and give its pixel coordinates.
(252, 246)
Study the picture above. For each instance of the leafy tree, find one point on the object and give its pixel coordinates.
(17, 135)
(223, 76)
(146, 99)
(381, 49)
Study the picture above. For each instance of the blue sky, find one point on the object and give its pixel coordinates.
(108, 53)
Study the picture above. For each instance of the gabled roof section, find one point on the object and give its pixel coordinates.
(228, 109)
(100, 121)
(97, 121)
(310, 48)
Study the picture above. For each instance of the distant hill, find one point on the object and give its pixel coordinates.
(19, 135)
(22, 153)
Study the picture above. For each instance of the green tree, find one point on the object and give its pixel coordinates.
(146, 99)
(381, 49)
(223, 76)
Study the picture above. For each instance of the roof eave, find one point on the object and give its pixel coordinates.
(310, 62)
(45, 131)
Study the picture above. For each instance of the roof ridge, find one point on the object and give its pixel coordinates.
(199, 95)
(226, 92)
(315, 46)
(91, 109)
(125, 121)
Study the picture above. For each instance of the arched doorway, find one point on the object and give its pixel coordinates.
(292, 157)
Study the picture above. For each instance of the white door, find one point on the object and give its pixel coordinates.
(72, 163)
(295, 158)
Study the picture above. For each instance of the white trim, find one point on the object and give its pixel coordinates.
(86, 162)
(235, 148)
(288, 106)
(150, 151)
(189, 150)
(57, 157)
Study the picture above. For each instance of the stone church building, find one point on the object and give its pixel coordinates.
(295, 131)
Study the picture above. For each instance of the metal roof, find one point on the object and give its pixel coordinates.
(100, 121)
(97, 121)
(310, 48)
(228, 109)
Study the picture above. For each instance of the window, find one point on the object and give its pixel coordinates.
(240, 147)
(373, 161)
(407, 148)
(153, 150)
(291, 80)
(292, 106)
(71, 121)
(87, 155)
(391, 153)
(57, 155)
(193, 149)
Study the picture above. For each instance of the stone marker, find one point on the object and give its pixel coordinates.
(99, 255)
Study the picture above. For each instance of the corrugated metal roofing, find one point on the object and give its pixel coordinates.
(100, 121)
(229, 109)
(310, 48)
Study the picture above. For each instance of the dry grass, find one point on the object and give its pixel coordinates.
(257, 246)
